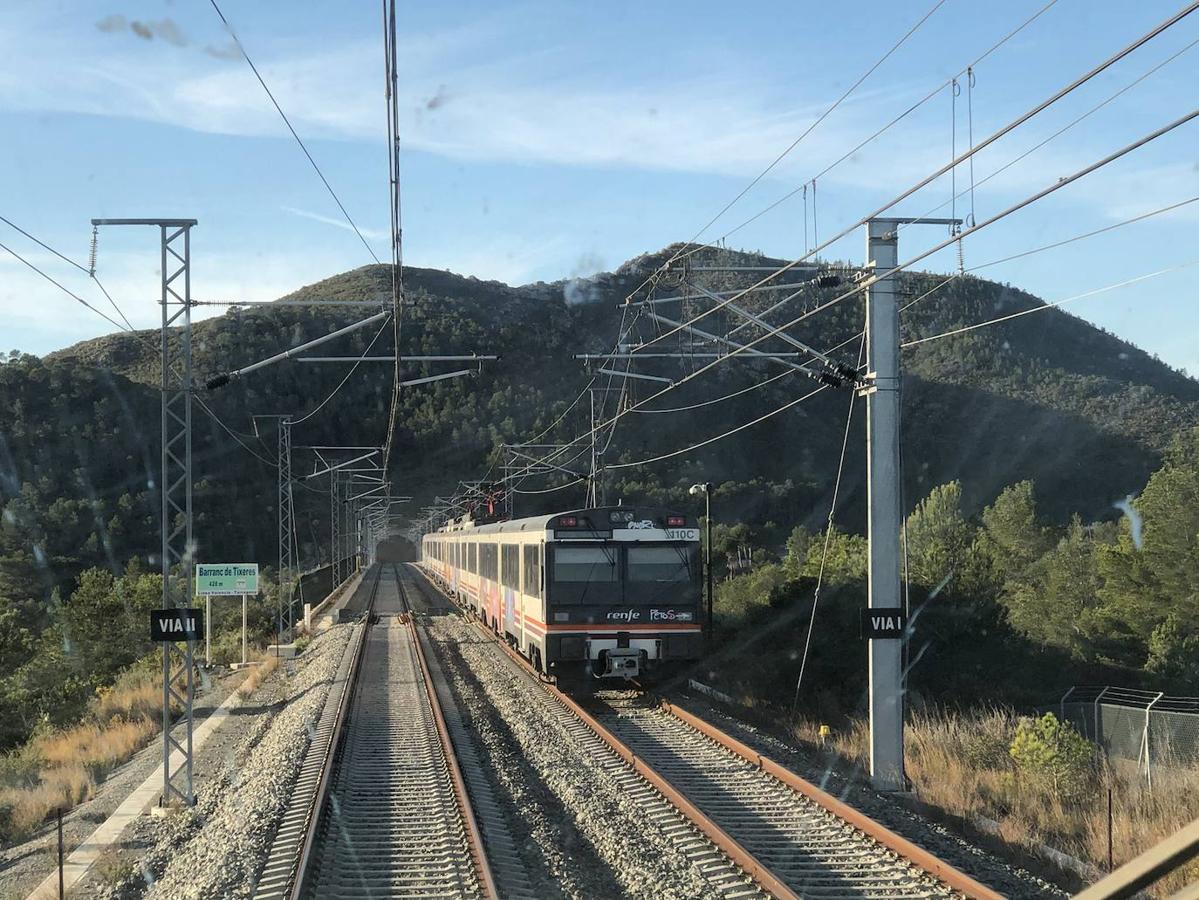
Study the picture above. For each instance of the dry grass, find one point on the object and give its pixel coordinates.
(266, 665)
(60, 769)
(960, 764)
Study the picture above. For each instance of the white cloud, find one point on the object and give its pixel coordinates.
(523, 108)
(372, 234)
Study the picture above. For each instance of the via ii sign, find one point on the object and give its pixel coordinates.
(176, 625)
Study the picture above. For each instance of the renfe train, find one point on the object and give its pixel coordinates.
(609, 593)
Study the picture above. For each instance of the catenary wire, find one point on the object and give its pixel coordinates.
(828, 534)
(233, 434)
(294, 134)
(995, 218)
(1041, 249)
(348, 374)
(894, 47)
(1059, 184)
(1006, 129)
(1053, 305)
(1075, 121)
(865, 283)
(91, 274)
(895, 121)
(73, 295)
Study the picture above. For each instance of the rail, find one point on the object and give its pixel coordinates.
(772, 882)
(312, 821)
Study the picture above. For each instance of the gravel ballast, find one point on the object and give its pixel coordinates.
(590, 838)
(216, 848)
(999, 874)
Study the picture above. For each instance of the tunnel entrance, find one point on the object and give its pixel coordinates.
(395, 549)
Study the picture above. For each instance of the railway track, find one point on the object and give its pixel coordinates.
(389, 813)
(790, 837)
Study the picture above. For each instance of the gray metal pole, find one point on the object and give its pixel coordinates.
(178, 545)
(885, 515)
(245, 608)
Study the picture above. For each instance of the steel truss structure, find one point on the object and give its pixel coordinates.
(178, 549)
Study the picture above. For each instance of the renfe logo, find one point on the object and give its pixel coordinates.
(625, 615)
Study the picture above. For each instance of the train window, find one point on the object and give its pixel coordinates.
(473, 558)
(532, 570)
(661, 564)
(488, 561)
(585, 564)
(511, 560)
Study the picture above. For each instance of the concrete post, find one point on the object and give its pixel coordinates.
(885, 514)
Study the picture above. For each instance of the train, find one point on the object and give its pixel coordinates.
(604, 593)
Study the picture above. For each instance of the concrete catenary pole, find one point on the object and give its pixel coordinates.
(885, 514)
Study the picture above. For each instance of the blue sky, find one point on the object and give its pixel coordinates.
(544, 140)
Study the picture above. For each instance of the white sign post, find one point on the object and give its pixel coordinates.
(226, 580)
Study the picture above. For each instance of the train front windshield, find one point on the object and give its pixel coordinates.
(603, 574)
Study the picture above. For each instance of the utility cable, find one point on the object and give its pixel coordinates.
(1063, 182)
(1075, 121)
(828, 535)
(1054, 245)
(73, 295)
(287, 122)
(798, 140)
(91, 273)
(348, 374)
(885, 128)
(1016, 207)
(1054, 304)
(1006, 129)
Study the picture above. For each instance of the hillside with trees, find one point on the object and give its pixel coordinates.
(1046, 398)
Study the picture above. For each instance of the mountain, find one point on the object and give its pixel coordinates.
(1045, 396)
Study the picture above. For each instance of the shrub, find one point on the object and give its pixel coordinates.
(1053, 754)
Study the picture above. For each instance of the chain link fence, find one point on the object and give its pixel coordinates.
(1149, 727)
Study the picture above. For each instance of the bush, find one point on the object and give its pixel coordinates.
(1053, 754)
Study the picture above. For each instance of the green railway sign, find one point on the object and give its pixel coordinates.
(226, 579)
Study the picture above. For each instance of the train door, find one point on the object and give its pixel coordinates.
(510, 579)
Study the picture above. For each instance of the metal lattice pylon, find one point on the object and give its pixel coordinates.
(335, 525)
(286, 529)
(178, 550)
(178, 544)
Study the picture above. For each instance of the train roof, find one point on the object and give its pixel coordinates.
(601, 516)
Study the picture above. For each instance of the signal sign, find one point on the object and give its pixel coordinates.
(176, 625)
(883, 622)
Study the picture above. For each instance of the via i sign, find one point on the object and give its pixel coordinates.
(883, 622)
(176, 625)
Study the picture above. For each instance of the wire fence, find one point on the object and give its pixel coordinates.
(1149, 727)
